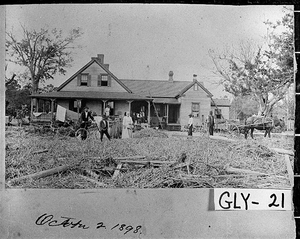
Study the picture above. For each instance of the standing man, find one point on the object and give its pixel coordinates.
(85, 116)
(190, 125)
(210, 123)
(104, 128)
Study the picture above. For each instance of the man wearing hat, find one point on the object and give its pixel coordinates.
(85, 116)
(190, 125)
(104, 128)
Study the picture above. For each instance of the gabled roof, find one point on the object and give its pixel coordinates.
(191, 85)
(85, 67)
(159, 88)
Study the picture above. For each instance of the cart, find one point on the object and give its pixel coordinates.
(231, 127)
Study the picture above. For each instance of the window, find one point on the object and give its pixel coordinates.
(196, 87)
(196, 109)
(84, 80)
(218, 113)
(103, 80)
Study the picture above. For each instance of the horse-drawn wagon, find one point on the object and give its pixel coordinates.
(232, 127)
(236, 127)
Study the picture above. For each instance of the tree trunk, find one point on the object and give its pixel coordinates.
(35, 85)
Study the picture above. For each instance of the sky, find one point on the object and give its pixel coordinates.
(146, 41)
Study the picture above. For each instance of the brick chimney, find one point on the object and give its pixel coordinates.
(194, 77)
(171, 76)
(100, 58)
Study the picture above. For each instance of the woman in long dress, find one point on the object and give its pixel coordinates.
(127, 123)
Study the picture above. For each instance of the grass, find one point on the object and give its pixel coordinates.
(208, 159)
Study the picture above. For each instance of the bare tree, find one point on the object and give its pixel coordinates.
(43, 53)
(263, 72)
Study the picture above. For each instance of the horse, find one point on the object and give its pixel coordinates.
(261, 123)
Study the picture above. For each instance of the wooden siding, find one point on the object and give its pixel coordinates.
(192, 96)
(94, 71)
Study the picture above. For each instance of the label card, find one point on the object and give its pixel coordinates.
(252, 199)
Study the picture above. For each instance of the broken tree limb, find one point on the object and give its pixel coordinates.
(43, 174)
(40, 151)
(283, 151)
(146, 162)
(117, 171)
(289, 169)
(243, 171)
(93, 181)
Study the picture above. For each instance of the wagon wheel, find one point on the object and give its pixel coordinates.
(80, 132)
(234, 130)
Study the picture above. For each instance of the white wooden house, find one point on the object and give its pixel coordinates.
(95, 86)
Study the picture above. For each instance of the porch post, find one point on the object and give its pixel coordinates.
(31, 106)
(167, 121)
(37, 105)
(77, 101)
(103, 107)
(149, 107)
(52, 107)
(129, 106)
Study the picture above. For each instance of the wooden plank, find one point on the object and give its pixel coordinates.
(117, 171)
(289, 169)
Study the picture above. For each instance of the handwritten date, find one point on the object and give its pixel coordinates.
(48, 220)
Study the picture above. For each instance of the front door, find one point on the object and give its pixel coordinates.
(173, 116)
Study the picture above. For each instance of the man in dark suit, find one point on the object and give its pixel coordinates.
(85, 116)
(104, 128)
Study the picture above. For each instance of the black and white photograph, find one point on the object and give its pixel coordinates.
(151, 96)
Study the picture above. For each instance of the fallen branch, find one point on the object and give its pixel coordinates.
(93, 181)
(283, 151)
(147, 162)
(40, 151)
(245, 171)
(43, 174)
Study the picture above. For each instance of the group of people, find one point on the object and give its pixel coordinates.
(210, 122)
(86, 116)
(127, 124)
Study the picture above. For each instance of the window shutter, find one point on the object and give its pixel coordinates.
(108, 80)
(89, 77)
(79, 80)
(99, 80)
